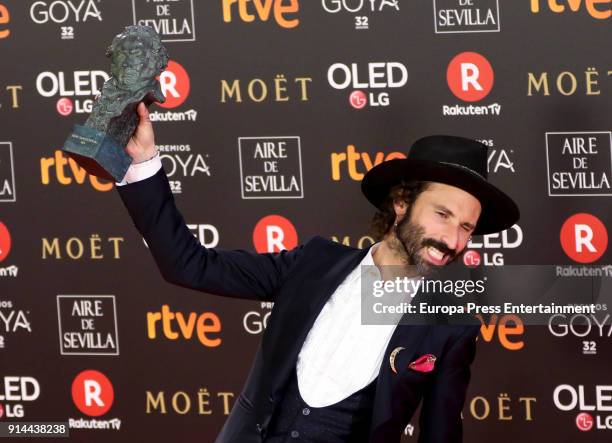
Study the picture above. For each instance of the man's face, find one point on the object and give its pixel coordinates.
(130, 63)
(438, 227)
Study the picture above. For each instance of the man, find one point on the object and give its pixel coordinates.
(320, 375)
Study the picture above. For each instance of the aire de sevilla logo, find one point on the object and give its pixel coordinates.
(92, 393)
(5, 242)
(470, 76)
(584, 238)
(175, 85)
(274, 233)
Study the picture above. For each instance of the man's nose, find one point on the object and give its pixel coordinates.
(451, 239)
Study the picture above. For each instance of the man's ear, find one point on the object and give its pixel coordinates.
(400, 207)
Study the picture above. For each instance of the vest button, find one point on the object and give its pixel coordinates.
(271, 398)
(295, 434)
(305, 411)
(258, 427)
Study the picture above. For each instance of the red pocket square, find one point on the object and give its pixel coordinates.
(425, 363)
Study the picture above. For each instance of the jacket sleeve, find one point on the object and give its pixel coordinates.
(182, 260)
(440, 420)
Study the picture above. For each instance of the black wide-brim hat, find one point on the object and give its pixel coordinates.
(455, 161)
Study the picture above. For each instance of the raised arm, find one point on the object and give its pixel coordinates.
(181, 259)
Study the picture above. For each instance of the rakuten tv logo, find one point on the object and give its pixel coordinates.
(584, 238)
(274, 233)
(5, 249)
(92, 393)
(470, 78)
(5, 242)
(175, 85)
(283, 11)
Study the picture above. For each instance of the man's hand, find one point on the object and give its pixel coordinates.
(141, 146)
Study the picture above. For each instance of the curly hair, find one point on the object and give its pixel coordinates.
(384, 219)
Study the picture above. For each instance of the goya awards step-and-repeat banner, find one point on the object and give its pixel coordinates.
(274, 111)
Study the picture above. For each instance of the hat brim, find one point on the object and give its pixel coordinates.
(499, 211)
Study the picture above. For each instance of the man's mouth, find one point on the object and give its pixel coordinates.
(435, 256)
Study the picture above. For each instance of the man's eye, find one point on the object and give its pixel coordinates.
(442, 214)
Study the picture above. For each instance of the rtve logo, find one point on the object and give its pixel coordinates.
(358, 163)
(56, 165)
(274, 233)
(505, 327)
(251, 10)
(5, 19)
(92, 393)
(205, 325)
(470, 76)
(175, 85)
(584, 238)
(599, 9)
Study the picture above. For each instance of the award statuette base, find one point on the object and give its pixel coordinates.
(98, 153)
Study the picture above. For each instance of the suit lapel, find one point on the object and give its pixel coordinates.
(283, 344)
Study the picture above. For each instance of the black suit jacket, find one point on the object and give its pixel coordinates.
(299, 282)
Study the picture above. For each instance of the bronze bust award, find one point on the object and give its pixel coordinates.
(137, 58)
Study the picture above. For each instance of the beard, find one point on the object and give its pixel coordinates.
(409, 240)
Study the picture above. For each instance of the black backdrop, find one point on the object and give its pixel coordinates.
(550, 84)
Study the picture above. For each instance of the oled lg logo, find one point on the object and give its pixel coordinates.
(93, 395)
(72, 88)
(15, 391)
(584, 421)
(366, 82)
(598, 403)
(511, 238)
(470, 78)
(175, 85)
(274, 233)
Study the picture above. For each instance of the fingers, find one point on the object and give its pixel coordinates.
(143, 113)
